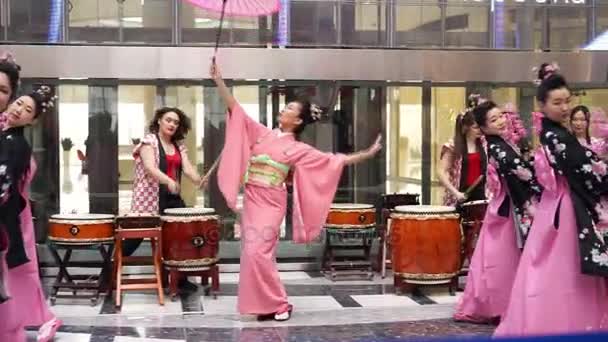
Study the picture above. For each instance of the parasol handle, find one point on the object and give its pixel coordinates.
(219, 31)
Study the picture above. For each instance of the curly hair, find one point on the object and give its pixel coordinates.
(184, 122)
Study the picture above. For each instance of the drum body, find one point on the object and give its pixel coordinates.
(472, 216)
(190, 238)
(425, 243)
(351, 216)
(81, 229)
(473, 211)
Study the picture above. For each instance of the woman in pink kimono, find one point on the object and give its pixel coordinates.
(580, 124)
(560, 286)
(262, 159)
(505, 225)
(27, 305)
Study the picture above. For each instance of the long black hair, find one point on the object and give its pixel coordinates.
(309, 113)
(464, 122)
(587, 115)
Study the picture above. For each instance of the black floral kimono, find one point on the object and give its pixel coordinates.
(587, 179)
(523, 190)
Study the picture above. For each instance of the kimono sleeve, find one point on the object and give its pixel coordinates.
(493, 185)
(544, 172)
(3, 120)
(579, 164)
(242, 133)
(509, 163)
(315, 180)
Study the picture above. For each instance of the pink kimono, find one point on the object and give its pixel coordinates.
(560, 285)
(265, 158)
(27, 305)
(505, 225)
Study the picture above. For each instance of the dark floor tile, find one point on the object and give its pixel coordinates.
(346, 301)
(116, 331)
(420, 298)
(102, 338)
(210, 335)
(191, 302)
(321, 290)
(76, 329)
(315, 274)
(239, 335)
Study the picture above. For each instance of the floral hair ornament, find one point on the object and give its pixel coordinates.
(516, 130)
(552, 68)
(315, 112)
(7, 57)
(599, 123)
(48, 101)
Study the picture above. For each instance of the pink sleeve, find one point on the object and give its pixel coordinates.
(599, 146)
(447, 147)
(315, 181)
(3, 120)
(493, 181)
(242, 132)
(544, 171)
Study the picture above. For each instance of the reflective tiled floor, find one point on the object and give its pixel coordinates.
(324, 311)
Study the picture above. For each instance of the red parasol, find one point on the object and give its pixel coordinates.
(240, 8)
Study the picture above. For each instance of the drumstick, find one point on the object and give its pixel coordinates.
(473, 186)
(214, 166)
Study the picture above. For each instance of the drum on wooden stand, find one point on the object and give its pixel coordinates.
(81, 229)
(349, 226)
(191, 238)
(71, 232)
(426, 246)
(351, 215)
(472, 215)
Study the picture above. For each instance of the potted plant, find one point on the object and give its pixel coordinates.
(66, 145)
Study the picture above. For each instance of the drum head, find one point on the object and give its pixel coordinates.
(352, 206)
(197, 211)
(82, 217)
(425, 209)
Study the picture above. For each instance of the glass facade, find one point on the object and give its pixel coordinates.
(486, 24)
(84, 148)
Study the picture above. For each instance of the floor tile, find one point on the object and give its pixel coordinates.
(76, 307)
(147, 304)
(384, 301)
(314, 303)
(143, 339)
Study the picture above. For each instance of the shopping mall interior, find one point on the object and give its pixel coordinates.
(399, 68)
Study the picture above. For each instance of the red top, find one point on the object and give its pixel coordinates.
(473, 167)
(173, 163)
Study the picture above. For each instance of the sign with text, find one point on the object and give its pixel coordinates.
(539, 2)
